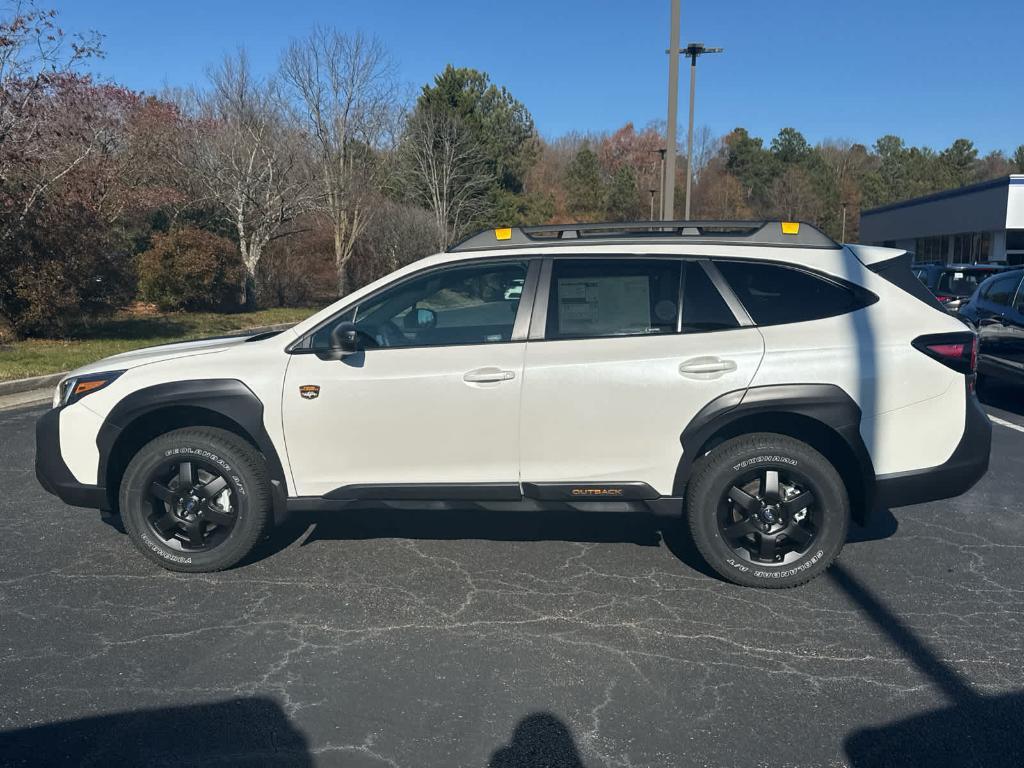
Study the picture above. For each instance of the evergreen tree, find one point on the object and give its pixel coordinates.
(585, 191)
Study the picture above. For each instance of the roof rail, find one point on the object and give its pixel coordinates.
(784, 233)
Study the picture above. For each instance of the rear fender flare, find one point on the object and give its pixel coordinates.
(824, 404)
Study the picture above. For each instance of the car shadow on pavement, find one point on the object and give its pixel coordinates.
(998, 394)
(976, 730)
(243, 731)
(445, 525)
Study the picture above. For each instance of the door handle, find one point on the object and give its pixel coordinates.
(487, 375)
(706, 367)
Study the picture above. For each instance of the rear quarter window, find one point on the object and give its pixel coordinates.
(774, 294)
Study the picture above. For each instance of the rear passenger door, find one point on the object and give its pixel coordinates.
(623, 352)
(998, 337)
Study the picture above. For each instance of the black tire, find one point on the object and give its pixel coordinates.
(223, 528)
(737, 509)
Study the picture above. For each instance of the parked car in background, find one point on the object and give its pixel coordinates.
(953, 284)
(996, 310)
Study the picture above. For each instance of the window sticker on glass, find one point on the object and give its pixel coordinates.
(604, 305)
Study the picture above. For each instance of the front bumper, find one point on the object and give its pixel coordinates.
(957, 475)
(53, 474)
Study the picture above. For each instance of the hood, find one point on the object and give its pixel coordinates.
(146, 355)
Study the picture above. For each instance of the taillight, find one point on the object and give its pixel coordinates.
(959, 351)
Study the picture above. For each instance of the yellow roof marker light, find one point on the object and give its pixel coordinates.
(791, 227)
(503, 233)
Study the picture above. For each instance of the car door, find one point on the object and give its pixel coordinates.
(1014, 324)
(995, 333)
(617, 366)
(429, 405)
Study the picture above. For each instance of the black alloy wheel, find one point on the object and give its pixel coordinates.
(768, 516)
(193, 505)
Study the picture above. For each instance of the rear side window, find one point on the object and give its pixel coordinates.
(775, 294)
(959, 282)
(593, 298)
(613, 297)
(1002, 289)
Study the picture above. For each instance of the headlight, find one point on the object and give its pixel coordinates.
(73, 389)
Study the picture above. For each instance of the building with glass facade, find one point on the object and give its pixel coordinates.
(980, 223)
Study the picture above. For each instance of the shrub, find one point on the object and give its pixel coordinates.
(61, 265)
(191, 269)
(298, 270)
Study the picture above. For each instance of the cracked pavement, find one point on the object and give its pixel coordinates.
(421, 638)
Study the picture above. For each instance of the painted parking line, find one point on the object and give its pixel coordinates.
(1004, 423)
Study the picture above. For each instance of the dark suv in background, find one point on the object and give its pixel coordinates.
(996, 310)
(953, 284)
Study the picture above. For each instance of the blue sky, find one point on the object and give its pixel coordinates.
(928, 70)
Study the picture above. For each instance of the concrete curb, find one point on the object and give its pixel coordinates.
(16, 386)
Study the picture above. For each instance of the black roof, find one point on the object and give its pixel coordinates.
(776, 233)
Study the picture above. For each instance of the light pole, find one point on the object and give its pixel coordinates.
(652, 190)
(661, 182)
(668, 182)
(842, 238)
(693, 50)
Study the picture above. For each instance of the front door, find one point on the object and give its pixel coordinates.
(430, 400)
(632, 349)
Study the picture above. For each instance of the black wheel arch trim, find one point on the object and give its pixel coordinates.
(228, 398)
(826, 404)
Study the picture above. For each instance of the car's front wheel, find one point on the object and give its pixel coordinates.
(196, 499)
(766, 510)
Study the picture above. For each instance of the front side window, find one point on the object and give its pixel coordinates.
(774, 294)
(470, 304)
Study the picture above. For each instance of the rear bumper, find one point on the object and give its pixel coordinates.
(957, 475)
(53, 474)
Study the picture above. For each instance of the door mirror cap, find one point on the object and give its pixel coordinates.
(345, 339)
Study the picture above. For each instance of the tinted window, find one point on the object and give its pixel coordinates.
(960, 283)
(704, 309)
(775, 294)
(474, 304)
(613, 297)
(1001, 289)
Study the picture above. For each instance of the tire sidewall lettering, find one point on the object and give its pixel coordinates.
(210, 456)
(755, 461)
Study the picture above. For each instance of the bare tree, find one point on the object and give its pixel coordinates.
(48, 125)
(344, 90)
(443, 169)
(246, 158)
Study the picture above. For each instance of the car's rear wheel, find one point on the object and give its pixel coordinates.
(196, 499)
(766, 510)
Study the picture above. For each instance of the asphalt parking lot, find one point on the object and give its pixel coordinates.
(426, 639)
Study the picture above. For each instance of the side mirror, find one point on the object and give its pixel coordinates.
(418, 318)
(345, 338)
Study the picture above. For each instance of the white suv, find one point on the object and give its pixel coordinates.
(758, 378)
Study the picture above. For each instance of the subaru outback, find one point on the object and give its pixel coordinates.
(756, 378)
